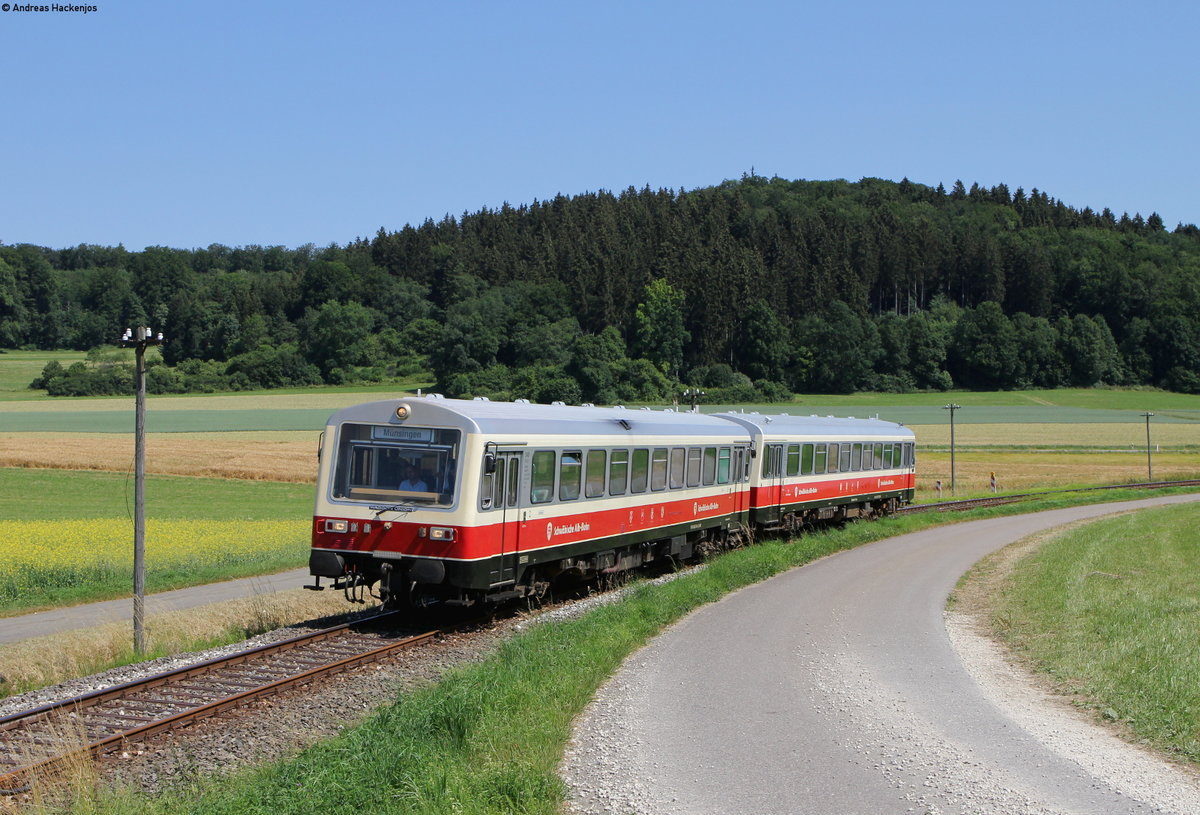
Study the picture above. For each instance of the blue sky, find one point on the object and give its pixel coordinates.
(263, 122)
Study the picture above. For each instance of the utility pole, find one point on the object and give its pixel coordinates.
(1149, 463)
(139, 340)
(951, 407)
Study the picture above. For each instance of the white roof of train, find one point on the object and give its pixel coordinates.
(786, 426)
(523, 418)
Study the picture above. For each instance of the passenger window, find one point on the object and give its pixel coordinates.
(844, 457)
(885, 460)
(693, 467)
(641, 470)
(658, 469)
(710, 465)
(678, 460)
(569, 470)
(806, 460)
(723, 465)
(834, 447)
(793, 459)
(878, 462)
(541, 487)
(618, 472)
(856, 457)
(594, 483)
(820, 454)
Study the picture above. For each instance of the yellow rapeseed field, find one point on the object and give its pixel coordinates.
(44, 558)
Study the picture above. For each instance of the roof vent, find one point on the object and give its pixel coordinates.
(482, 399)
(559, 403)
(520, 401)
(618, 407)
(645, 408)
(586, 404)
(435, 396)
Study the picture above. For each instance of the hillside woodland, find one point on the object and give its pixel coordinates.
(752, 289)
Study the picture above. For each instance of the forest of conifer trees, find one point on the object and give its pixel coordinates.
(752, 289)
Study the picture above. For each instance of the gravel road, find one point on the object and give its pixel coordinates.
(843, 687)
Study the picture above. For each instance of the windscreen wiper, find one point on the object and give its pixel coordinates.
(404, 509)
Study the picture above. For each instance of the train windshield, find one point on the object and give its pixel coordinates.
(385, 463)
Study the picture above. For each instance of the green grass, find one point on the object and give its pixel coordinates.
(34, 495)
(167, 421)
(488, 738)
(1091, 398)
(19, 368)
(64, 495)
(1111, 612)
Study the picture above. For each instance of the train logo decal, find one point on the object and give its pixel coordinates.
(569, 529)
(697, 508)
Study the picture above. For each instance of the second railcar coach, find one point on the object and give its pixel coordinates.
(817, 468)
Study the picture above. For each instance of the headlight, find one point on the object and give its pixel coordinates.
(337, 526)
(441, 533)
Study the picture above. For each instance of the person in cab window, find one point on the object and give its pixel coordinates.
(412, 480)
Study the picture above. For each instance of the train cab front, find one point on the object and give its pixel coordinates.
(386, 515)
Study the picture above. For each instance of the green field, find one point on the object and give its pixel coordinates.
(43, 495)
(67, 537)
(19, 368)
(309, 409)
(1110, 613)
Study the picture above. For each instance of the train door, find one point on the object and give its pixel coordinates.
(772, 480)
(741, 481)
(509, 476)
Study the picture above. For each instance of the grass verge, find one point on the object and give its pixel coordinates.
(488, 739)
(1109, 612)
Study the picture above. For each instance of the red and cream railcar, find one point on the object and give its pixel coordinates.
(444, 500)
(815, 468)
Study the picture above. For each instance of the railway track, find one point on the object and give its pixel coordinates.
(102, 721)
(1013, 498)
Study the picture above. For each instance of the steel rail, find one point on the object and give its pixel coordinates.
(241, 697)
